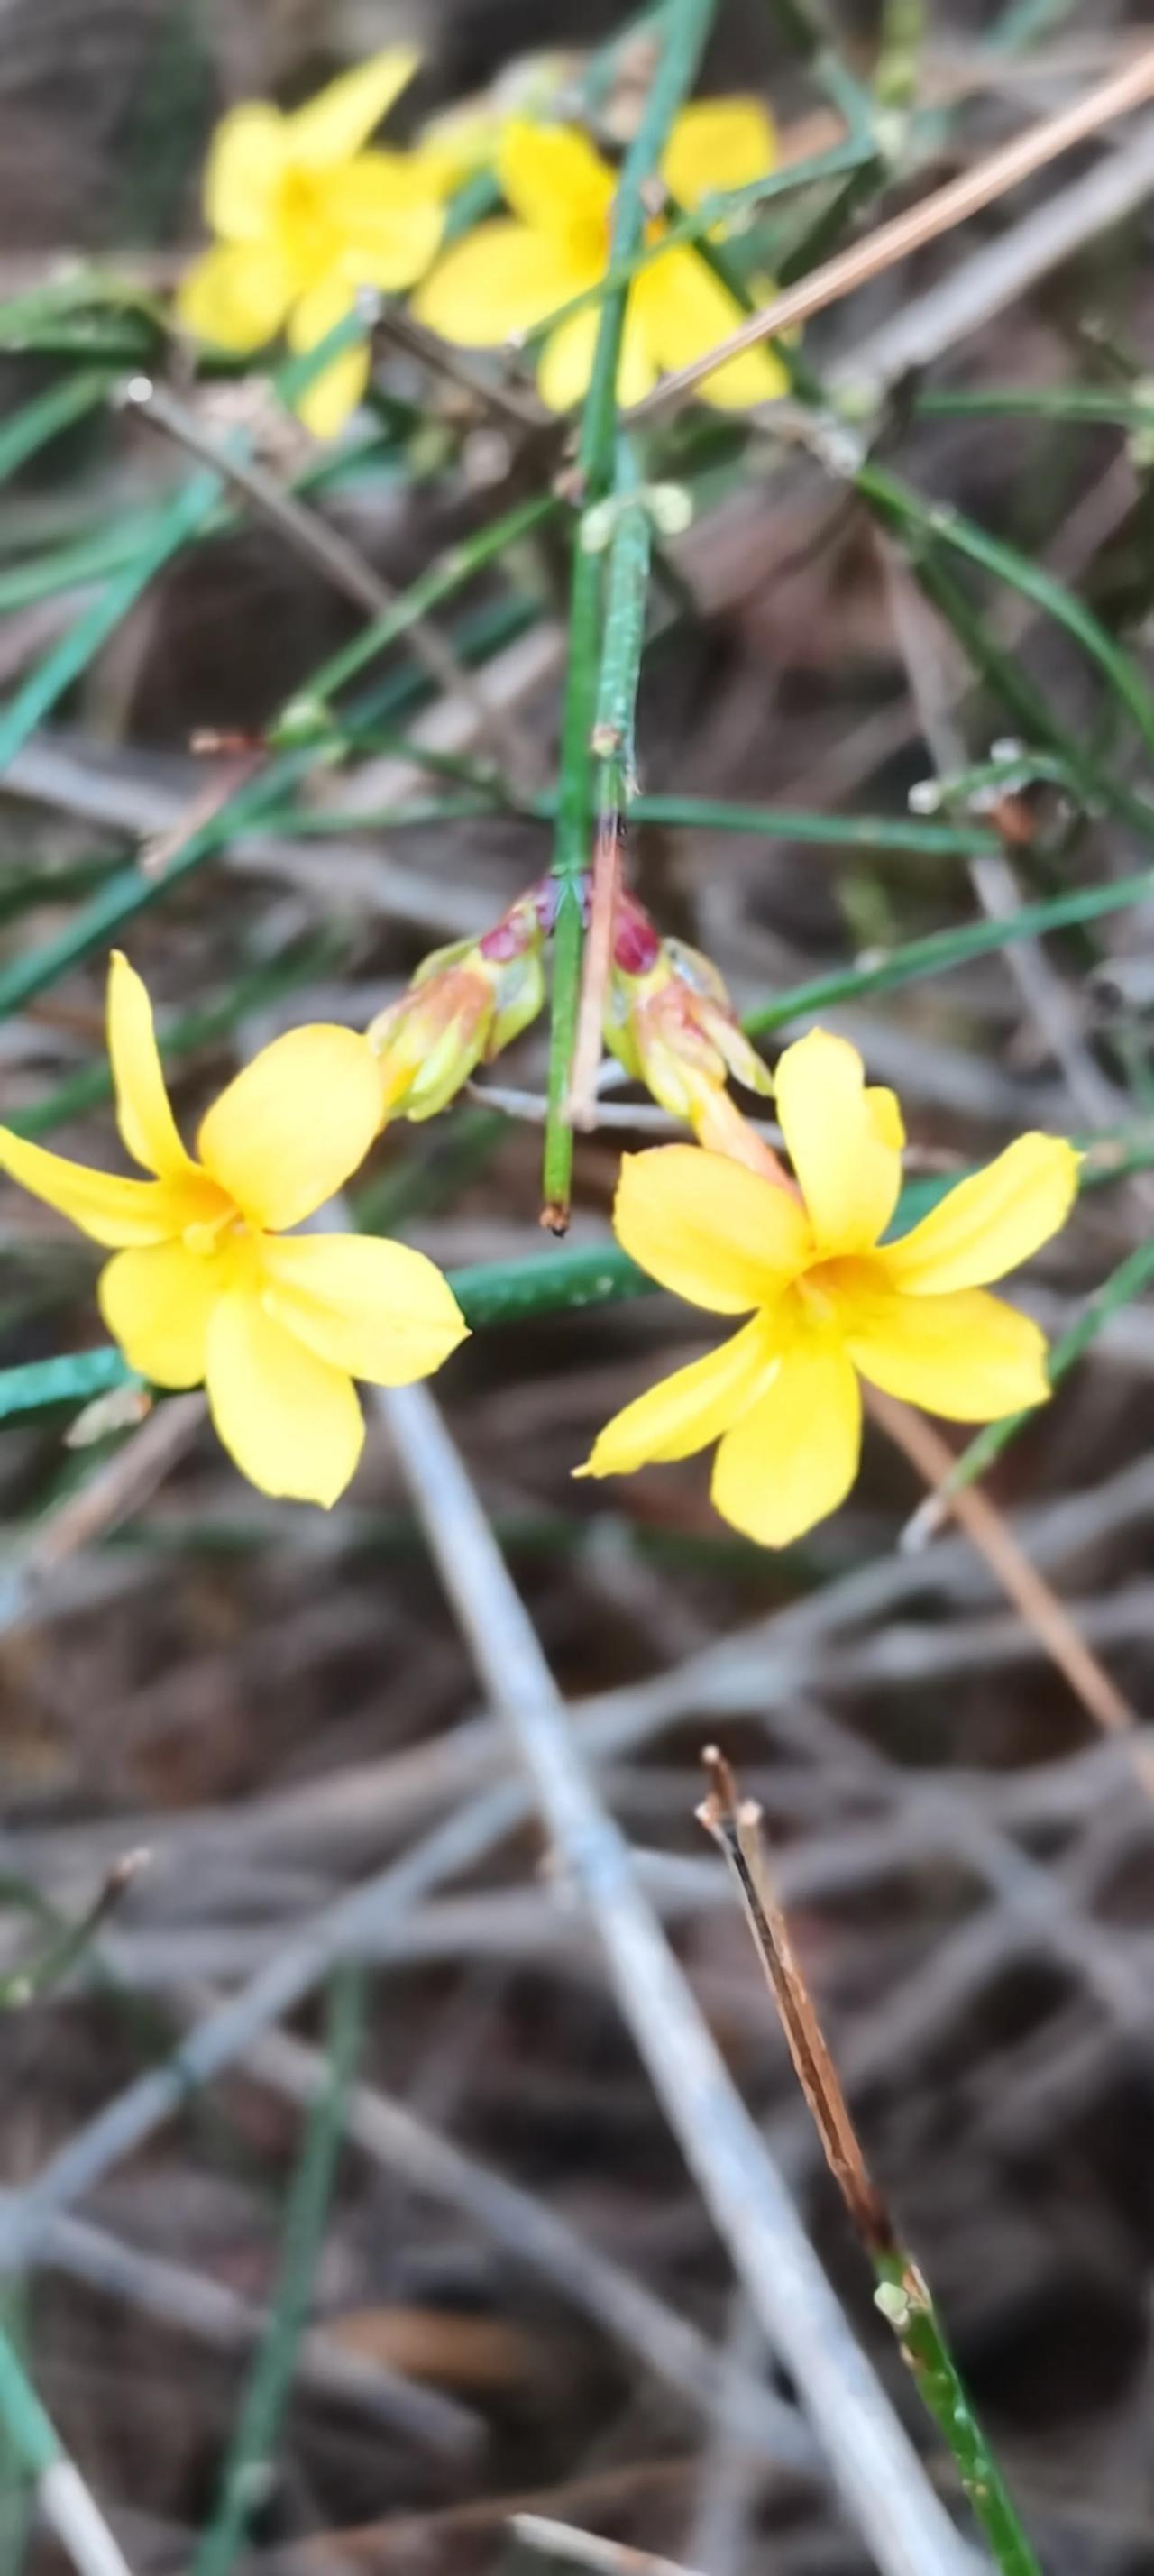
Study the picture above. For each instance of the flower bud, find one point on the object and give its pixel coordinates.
(669, 1020)
(465, 1003)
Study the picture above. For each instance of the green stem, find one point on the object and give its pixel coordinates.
(685, 25)
(896, 501)
(48, 413)
(905, 2301)
(903, 36)
(452, 570)
(1110, 404)
(571, 851)
(946, 948)
(257, 2429)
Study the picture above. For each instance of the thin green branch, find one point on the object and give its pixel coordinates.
(945, 948)
(459, 564)
(1112, 405)
(253, 2445)
(65, 2502)
(42, 419)
(904, 508)
(50, 1965)
(257, 801)
(907, 2306)
(803, 25)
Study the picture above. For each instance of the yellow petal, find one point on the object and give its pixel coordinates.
(793, 1457)
(502, 279)
(849, 1173)
(291, 1421)
(718, 143)
(567, 359)
(339, 120)
(688, 1410)
(245, 166)
(566, 362)
(990, 1223)
(156, 1304)
(326, 403)
(379, 1310)
(111, 1210)
(965, 1355)
(687, 311)
(388, 218)
(708, 1228)
(555, 181)
(238, 295)
(294, 1124)
(334, 395)
(143, 1114)
(889, 1126)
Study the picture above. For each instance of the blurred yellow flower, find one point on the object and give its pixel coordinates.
(828, 1299)
(467, 137)
(204, 1283)
(511, 274)
(303, 216)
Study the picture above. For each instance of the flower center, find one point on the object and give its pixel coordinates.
(302, 215)
(816, 1290)
(207, 1235)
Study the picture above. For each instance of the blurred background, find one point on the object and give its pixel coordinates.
(480, 2277)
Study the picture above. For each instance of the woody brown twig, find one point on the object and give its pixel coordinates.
(901, 2293)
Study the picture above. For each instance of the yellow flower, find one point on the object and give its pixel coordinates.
(466, 138)
(828, 1298)
(511, 274)
(205, 1284)
(303, 217)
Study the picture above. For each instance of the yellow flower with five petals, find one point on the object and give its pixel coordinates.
(510, 274)
(206, 1285)
(829, 1299)
(304, 215)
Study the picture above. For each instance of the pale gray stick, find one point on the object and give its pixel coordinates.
(925, 326)
(730, 2478)
(590, 2548)
(206, 2308)
(72, 2513)
(61, 2494)
(882, 2482)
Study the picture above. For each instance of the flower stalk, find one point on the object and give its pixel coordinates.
(686, 25)
(613, 747)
